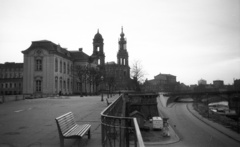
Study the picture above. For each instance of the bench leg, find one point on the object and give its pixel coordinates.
(89, 134)
(61, 142)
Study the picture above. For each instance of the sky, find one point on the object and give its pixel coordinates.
(191, 39)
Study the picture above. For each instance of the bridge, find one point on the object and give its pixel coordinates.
(233, 97)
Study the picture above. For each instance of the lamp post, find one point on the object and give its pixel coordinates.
(101, 89)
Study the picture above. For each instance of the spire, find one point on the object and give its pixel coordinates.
(122, 34)
(97, 30)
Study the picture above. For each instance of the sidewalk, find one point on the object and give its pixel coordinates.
(95, 140)
(173, 135)
(31, 123)
(218, 127)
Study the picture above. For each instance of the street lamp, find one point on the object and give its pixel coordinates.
(101, 89)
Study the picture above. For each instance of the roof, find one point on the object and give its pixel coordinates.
(111, 63)
(46, 44)
(79, 55)
(135, 113)
(11, 65)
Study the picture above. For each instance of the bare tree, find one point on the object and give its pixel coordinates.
(137, 71)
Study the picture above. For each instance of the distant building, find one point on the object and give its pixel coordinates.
(11, 78)
(218, 83)
(202, 82)
(161, 82)
(192, 87)
(236, 84)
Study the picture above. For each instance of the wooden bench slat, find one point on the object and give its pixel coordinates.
(68, 128)
(78, 130)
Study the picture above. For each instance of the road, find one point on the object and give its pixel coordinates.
(192, 131)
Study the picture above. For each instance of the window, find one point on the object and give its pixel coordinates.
(61, 83)
(56, 83)
(68, 84)
(56, 65)
(38, 64)
(64, 67)
(60, 66)
(68, 68)
(38, 85)
(64, 85)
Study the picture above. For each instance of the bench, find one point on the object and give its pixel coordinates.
(67, 128)
(108, 103)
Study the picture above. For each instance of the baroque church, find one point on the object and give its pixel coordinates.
(48, 68)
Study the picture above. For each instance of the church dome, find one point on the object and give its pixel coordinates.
(98, 37)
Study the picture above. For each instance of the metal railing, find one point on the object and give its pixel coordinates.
(118, 130)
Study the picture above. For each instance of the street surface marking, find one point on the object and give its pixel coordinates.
(18, 111)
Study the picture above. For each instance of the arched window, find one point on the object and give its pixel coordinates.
(61, 83)
(99, 62)
(38, 85)
(56, 83)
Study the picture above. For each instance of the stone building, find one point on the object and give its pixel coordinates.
(11, 78)
(161, 82)
(202, 82)
(218, 83)
(120, 70)
(49, 69)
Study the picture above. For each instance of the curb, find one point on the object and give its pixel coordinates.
(162, 143)
(211, 125)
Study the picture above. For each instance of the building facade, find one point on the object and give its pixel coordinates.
(50, 70)
(46, 69)
(202, 82)
(161, 82)
(120, 71)
(11, 78)
(218, 83)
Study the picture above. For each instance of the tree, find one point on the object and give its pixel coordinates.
(110, 82)
(137, 73)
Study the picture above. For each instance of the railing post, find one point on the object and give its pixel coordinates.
(102, 127)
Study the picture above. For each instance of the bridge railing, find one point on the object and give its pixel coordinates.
(118, 130)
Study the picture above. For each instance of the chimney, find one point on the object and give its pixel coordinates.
(80, 49)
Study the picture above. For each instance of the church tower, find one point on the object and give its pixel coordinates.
(98, 54)
(122, 55)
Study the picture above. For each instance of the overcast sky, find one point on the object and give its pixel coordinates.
(191, 39)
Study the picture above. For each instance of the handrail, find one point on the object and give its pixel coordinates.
(138, 133)
(113, 126)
